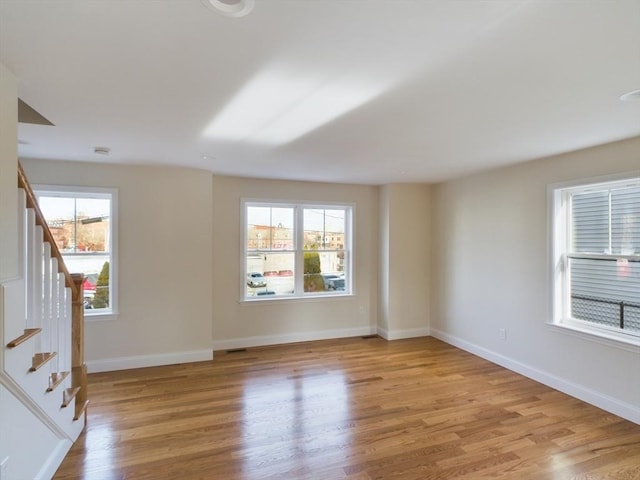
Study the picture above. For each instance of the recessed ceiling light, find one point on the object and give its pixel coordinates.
(230, 8)
(631, 96)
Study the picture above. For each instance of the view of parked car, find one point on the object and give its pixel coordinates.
(255, 279)
(333, 281)
(335, 284)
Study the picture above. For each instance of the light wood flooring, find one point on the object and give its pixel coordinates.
(359, 408)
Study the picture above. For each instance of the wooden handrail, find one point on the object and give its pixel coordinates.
(32, 202)
(74, 282)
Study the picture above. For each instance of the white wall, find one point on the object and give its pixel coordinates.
(405, 248)
(237, 324)
(28, 448)
(179, 265)
(8, 174)
(164, 260)
(490, 272)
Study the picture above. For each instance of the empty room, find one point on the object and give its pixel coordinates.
(319, 239)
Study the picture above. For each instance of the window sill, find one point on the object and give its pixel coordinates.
(100, 317)
(292, 299)
(614, 339)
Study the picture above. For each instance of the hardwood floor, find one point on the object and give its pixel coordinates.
(360, 408)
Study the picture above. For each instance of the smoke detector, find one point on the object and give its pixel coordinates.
(230, 8)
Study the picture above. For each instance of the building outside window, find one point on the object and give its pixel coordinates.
(82, 223)
(596, 257)
(296, 250)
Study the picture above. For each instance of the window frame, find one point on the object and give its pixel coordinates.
(74, 191)
(559, 215)
(298, 248)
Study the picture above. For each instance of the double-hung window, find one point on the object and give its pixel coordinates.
(296, 250)
(596, 257)
(83, 224)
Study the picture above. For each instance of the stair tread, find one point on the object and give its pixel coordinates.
(56, 379)
(68, 395)
(28, 333)
(81, 408)
(40, 359)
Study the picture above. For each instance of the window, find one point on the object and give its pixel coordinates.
(82, 222)
(296, 250)
(596, 257)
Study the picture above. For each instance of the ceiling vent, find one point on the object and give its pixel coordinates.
(230, 8)
(104, 151)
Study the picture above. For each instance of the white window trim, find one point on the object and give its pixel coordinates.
(558, 227)
(299, 206)
(66, 190)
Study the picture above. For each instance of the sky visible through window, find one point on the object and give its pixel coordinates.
(66, 208)
(314, 218)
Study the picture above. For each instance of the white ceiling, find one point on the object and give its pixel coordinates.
(424, 90)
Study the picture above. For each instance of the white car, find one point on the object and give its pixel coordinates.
(332, 281)
(255, 279)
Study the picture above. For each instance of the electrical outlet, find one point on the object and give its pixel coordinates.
(502, 333)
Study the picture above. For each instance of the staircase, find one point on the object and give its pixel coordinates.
(42, 316)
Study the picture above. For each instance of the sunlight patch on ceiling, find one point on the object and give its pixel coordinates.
(277, 106)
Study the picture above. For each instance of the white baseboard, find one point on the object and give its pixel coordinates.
(399, 334)
(153, 360)
(598, 399)
(54, 461)
(246, 342)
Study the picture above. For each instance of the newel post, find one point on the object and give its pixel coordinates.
(78, 367)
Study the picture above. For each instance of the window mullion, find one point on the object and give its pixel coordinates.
(270, 244)
(566, 241)
(75, 224)
(324, 229)
(610, 225)
(298, 229)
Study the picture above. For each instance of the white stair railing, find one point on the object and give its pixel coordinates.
(41, 314)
